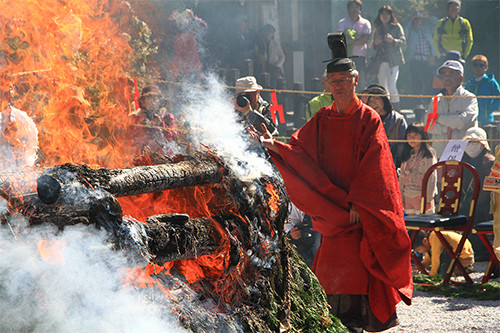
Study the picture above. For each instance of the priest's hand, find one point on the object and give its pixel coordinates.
(353, 215)
(266, 138)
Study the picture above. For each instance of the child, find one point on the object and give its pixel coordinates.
(437, 257)
(416, 158)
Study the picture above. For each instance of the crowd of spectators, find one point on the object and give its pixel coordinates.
(435, 50)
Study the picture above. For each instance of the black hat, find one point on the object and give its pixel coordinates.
(376, 89)
(340, 65)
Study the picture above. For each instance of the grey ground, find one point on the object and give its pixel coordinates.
(436, 313)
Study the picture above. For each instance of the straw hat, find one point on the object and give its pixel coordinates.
(247, 84)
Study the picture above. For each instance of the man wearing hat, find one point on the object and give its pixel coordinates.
(338, 169)
(453, 32)
(456, 115)
(252, 107)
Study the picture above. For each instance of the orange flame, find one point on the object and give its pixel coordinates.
(51, 251)
(66, 64)
(274, 198)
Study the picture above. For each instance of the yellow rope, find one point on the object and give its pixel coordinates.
(312, 92)
(282, 138)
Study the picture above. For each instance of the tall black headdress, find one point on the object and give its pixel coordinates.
(339, 62)
(337, 43)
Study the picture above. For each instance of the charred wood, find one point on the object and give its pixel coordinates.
(170, 237)
(57, 183)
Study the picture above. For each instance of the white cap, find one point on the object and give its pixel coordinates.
(477, 133)
(452, 64)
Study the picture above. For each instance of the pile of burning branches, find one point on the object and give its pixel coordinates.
(210, 243)
(230, 252)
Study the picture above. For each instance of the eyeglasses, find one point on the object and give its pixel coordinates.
(340, 81)
(479, 64)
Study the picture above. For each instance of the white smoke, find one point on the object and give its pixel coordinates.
(82, 291)
(214, 122)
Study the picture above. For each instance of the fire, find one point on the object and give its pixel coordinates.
(51, 251)
(68, 65)
(199, 201)
(193, 201)
(274, 198)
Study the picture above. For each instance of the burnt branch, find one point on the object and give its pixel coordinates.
(61, 181)
(170, 237)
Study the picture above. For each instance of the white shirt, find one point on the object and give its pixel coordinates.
(362, 27)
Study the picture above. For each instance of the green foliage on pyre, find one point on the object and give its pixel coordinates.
(298, 303)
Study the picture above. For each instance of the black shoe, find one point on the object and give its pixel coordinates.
(355, 329)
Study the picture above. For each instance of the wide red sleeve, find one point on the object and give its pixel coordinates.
(385, 246)
(307, 185)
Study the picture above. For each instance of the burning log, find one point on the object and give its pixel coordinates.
(124, 182)
(172, 237)
(69, 194)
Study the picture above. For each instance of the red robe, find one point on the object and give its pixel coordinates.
(335, 161)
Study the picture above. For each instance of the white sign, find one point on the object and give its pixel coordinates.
(454, 150)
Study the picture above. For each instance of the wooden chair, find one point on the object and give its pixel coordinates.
(482, 229)
(447, 217)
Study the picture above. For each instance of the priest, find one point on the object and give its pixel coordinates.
(338, 169)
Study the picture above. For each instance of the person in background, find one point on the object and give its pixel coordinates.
(453, 32)
(329, 167)
(152, 108)
(420, 54)
(478, 154)
(357, 30)
(241, 44)
(269, 54)
(18, 139)
(388, 41)
(301, 233)
(320, 101)
(456, 115)
(394, 122)
(189, 30)
(436, 257)
(484, 84)
(416, 158)
(154, 127)
(253, 109)
(437, 83)
(495, 171)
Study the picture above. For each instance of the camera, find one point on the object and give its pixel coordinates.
(242, 100)
(306, 239)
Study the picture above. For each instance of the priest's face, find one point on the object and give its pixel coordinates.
(342, 84)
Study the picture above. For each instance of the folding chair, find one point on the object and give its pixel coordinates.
(447, 217)
(482, 229)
